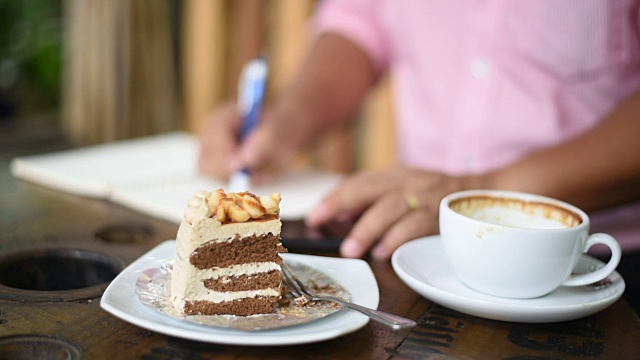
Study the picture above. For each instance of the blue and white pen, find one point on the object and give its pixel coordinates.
(251, 92)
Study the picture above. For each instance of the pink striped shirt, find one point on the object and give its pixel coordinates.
(479, 84)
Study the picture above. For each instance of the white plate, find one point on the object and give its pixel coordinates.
(121, 300)
(422, 266)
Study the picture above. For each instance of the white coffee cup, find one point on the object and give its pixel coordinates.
(518, 245)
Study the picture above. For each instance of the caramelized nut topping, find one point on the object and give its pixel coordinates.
(241, 207)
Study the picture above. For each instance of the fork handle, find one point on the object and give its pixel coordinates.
(394, 321)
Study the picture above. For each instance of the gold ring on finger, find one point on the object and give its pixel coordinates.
(412, 202)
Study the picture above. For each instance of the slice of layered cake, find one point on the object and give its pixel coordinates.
(227, 258)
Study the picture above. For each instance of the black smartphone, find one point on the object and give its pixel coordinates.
(297, 237)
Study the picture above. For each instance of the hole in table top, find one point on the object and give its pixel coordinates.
(55, 274)
(38, 347)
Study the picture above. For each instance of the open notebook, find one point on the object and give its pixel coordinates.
(156, 175)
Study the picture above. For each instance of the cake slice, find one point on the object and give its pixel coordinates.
(227, 255)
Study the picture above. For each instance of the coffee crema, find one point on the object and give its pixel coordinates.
(515, 212)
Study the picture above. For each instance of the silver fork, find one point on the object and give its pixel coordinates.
(298, 289)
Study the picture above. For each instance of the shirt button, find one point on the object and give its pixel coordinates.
(480, 68)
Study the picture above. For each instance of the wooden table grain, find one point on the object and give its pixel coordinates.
(35, 218)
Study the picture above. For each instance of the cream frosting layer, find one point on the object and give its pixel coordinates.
(187, 282)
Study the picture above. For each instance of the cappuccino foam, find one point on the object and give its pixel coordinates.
(515, 213)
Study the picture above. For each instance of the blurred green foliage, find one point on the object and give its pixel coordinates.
(31, 33)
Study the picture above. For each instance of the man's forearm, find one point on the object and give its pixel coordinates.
(595, 170)
(328, 89)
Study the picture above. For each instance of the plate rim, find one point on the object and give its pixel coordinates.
(503, 309)
(337, 324)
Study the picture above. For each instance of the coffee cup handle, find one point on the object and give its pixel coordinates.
(593, 277)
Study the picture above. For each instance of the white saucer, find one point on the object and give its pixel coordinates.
(422, 266)
(354, 275)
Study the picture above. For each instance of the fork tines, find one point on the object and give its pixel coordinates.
(292, 282)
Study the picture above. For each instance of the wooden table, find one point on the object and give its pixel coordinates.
(72, 324)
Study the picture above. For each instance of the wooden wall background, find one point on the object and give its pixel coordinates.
(119, 74)
(123, 80)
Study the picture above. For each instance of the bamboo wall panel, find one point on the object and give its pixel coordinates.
(119, 72)
(203, 59)
(376, 142)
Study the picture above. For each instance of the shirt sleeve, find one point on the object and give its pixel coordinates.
(356, 20)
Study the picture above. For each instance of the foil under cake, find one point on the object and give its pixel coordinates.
(153, 288)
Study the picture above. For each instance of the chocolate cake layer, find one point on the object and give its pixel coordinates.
(244, 282)
(250, 249)
(240, 307)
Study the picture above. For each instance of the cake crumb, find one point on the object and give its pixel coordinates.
(301, 301)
